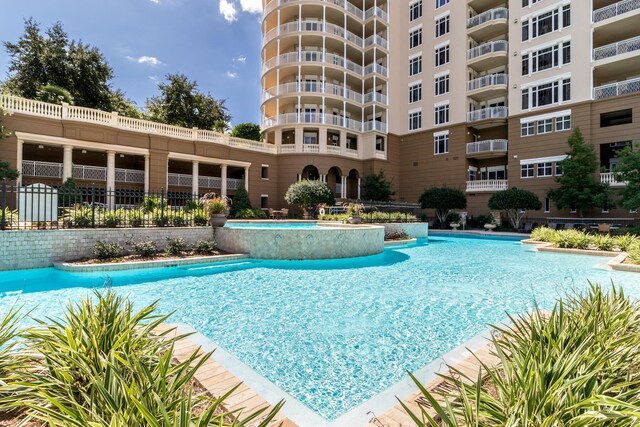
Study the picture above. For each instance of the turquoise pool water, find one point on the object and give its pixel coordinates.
(335, 333)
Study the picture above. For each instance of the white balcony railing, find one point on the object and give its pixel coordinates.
(314, 87)
(487, 81)
(615, 9)
(41, 169)
(313, 118)
(375, 125)
(347, 6)
(310, 148)
(489, 15)
(489, 146)
(609, 178)
(617, 89)
(489, 185)
(328, 58)
(614, 49)
(89, 173)
(488, 113)
(132, 176)
(210, 182)
(487, 48)
(182, 180)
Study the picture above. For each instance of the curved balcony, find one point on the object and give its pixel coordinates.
(328, 58)
(488, 114)
(488, 55)
(487, 186)
(324, 119)
(615, 49)
(487, 149)
(339, 4)
(488, 86)
(489, 24)
(296, 88)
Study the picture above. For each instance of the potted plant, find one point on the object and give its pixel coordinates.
(454, 221)
(353, 213)
(489, 222)
(217, 208)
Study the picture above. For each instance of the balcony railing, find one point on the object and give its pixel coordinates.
(614, 49)
(374, 125)
(41, 169)
(182, 180)
(88, 173)
(609, 178)
(488, 113)
(617, 89)
(487, 81)
(132, 176)
(315, 87)
(615, 9)
(489, 15)
(488, 146)
(328, 58)
(349, 7)
(490, 185)
(375, 97)
(487, 48)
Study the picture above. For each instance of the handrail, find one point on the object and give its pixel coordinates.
(615, 9)
(489, 80)
(486, 48)
(487, 146)
(617, 89)
(614, 49)
(489, 15)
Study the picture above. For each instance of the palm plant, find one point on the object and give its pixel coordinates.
(578, 366)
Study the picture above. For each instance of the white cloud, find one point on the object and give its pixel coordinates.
(232, 75)
(251, 6)
(241, 59)
(146, 60)
(228, 10)
(155, 1)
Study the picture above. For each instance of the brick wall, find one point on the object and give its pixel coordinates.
(26, 249)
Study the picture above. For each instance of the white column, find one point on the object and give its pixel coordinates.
(19, 161)
(223, 186)
(195, 178)
(67, 163)
(246, 178)
(343, 191)
(111, 178)
(146, 173)
(359, 182)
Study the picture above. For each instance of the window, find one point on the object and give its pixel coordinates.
(442, 55)
(415, 38)
(546, 94)
(615, 118)
(442, 26)
(526, 3)
(547, 205)
(415, 65)
(265, 172)
(549, 57)
(566, 53)
(563, 123)
(415, 120)
(442, 85)
(545, 126)
(379, 143)
(558, 169)
(264, 201)
(527, 171)
(566, 15)
(415, 93)
(440, 3)
(442, 114)
(545, 169)
(415, 11)
(525, 64)
(441, 144)
(545, 23)
(527, 129)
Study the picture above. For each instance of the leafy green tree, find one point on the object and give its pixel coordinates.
(628, 171)
(54, 95)
(309, 194)
(249, 131)
(180, 103)
(515, 202)
(240, 202)
(443, 200)
(579, 188)
(377, 187)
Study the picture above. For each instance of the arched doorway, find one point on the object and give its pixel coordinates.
(311, 173)
(353, 184)
(334, 181)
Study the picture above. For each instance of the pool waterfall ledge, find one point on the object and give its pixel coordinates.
(324, 241)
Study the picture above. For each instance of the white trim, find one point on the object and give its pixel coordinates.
(552, 43)
(97, 146)
(553, 115)
(552, 79)
(558, 5)
(443, 44)
(415, 82)
(441, 133)
(207, 160)
(442, 15)
(415, 28)
(441, 103)
(415, 110)
(441, 74)
(415, 55)
(543, 160)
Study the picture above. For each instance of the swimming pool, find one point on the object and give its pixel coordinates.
(334, 333)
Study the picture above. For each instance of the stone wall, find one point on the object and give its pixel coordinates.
(26, 249)
(415, 230)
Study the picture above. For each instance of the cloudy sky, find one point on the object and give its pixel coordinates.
(215, 42)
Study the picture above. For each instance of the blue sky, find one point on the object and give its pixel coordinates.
(215, 42)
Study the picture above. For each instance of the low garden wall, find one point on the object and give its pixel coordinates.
(415, 230)
(26, 249)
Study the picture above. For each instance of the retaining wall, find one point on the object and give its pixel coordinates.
(415, 230)
(24, 249)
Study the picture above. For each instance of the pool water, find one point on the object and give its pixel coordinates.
(334, 333)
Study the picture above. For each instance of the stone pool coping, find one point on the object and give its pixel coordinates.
(133, 265)
(399, 242)
(258, 390)
(479, 232)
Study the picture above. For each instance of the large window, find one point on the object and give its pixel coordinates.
(442, 26)
(415, 120)
(415, 93)
(415, 11)
(615, 118)
(415, 65)
(546, 94)
(527, 171)
(549, 57)
(415, 38)
(441, 144)
(545, 126)
(441, 114)
(563, 123)
(440, 3)
(545, 23)
(442, 55)
(527, 129)
(545, 169)
(442, 85)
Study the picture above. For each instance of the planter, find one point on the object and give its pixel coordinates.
(454, 226)
(354, 220)
(218, 220)
(489, 227)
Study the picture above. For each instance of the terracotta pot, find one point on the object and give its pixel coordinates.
(354, 220)
(218, 220)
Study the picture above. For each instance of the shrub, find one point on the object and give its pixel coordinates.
(604, 243)
(572, 239)
(514, 202)
(175, 246)
(395, 235)
(106, 250)
(333, 217)
(625, 242)
(81, 217)
(161, 217)
(146, 249)
(634, 253)
(240, 202)
(150, 204)
(178, 219)
(205, 247)
(135, 218)
(113, 219)
(377, 187)
(309, 194)
(543, 234)
(200, 217)
(192, 205)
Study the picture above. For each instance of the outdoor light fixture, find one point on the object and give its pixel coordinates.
(84, 151)
(41, 146)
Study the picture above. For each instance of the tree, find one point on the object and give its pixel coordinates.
(309, 194)
(579, 188)
(628, 171)
(180, 103)
(515, 202)
(377, 187)
(240, 201)
(443, 200)
(39, 62)
(249, 131)
(54, 95)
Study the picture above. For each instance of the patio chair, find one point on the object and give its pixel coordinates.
(604, 228)
(271, 214)
(528, 227)
(569, 226)
(284, 213)
(553, 225)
